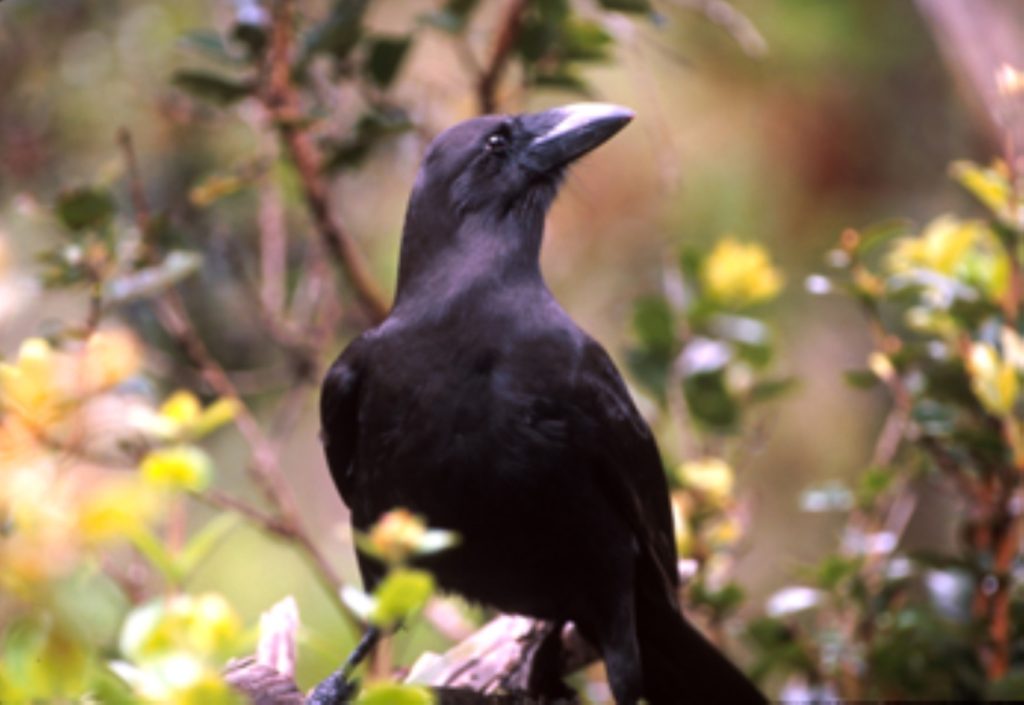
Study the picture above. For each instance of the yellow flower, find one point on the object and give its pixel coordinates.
(965, 250)
(177, 467)
(993, 380)
(205, 626)
(29, 386)
(711, 478)
(182, 414)
(724, 533)
(117, 509)
(739, 274)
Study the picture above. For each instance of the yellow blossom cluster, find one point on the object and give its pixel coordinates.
(56, 503)
(175, 648)
(996, 373)
(702, 509)
(965, 251)
(740, 274)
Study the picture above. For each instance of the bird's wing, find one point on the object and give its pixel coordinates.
(626, 460)
(339, 416)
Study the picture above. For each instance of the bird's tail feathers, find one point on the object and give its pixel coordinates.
(681, 666)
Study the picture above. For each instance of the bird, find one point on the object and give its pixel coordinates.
(480, 405)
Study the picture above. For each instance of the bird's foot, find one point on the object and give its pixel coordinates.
(336, 689)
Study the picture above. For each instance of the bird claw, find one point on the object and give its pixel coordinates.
(336, 689)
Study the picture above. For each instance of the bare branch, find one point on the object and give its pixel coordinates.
(281, 100)
(508, 33)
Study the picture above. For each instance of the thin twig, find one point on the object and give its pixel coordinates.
(508, 33)
(263, 466)
(281, 100)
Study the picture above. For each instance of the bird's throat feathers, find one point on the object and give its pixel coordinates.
(452, 253)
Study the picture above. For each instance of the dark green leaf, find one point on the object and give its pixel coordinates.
(85, 208)
(583, 40)
(371, 129)
(453, 16)
(339, 33)
(709, 401)
(768, 389)
(252, 36)
(564, 80)
(861, 379)
(721, 603)
(385, 58)
(654, 324)
(211, 87)
(636, 6)
(650, 370)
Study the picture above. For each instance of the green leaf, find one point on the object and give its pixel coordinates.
(252, 36)
(882, 232)
(834, 570)
(371, 129)
(453, 17)
(91, 604)
(768, 389)
(401, 595)
(990, 186)
(85, 208)
(583, 40)
(654, 324)
(722, 602)
(40, 661)
(710, 402)
(339, 33)
(861, 379)
(563, 79)
(395, 694)
(634, 6)
(650, 370)
(384, 58)
(872, 483)
(213, 88)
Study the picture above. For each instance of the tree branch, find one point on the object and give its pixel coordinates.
(508, 33)
(281, 100)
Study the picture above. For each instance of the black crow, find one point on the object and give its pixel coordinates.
(480, 405)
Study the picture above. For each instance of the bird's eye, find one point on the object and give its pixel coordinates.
(497, 143)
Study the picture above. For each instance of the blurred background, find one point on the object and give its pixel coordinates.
(780, 123)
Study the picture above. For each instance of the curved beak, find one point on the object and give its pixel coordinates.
(564, 134)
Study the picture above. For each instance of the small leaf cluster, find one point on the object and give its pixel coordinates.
(397, 538)
(703, 337)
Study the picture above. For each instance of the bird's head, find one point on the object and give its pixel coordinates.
(500, 163)
(488, 181)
